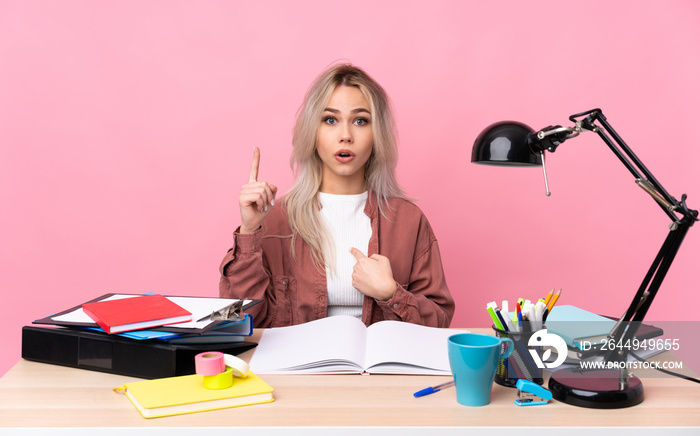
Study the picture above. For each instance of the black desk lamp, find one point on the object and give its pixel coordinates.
(515, 144)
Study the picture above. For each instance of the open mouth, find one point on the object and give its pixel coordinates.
(344, 156)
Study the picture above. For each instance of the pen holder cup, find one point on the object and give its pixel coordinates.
(520, 364)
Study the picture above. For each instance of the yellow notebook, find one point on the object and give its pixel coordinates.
(186, 394)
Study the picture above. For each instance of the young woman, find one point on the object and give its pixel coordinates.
(344, 239)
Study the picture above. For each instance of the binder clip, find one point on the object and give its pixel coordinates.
(531, 394)
(232, 312)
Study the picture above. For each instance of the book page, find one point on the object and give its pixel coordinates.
(395, 347)
(333, 344)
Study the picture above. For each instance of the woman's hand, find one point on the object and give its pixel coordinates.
(373, 276)
(256, 198)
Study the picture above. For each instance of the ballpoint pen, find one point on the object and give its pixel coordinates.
(433, 389)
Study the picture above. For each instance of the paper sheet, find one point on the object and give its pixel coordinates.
(199, 307)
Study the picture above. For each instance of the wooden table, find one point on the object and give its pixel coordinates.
(49, 396)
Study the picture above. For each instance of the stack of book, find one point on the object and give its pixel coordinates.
(154, 337)
(147, 336)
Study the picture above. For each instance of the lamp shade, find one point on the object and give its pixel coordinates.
(506, 143)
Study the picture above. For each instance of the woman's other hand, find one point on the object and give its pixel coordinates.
(256, 198)
(373, 276)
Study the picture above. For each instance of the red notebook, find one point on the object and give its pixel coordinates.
(135, 313)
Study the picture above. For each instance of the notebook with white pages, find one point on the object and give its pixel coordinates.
(342, 344)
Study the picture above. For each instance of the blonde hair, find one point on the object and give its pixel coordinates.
(303, 207)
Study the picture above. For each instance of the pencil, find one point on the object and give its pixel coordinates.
(548, 297)
(555, 297)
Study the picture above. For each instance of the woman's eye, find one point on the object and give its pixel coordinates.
(361, 121)
(329, 120)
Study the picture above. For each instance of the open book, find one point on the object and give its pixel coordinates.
(342, 344)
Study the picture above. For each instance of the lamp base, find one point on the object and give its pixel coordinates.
(598, 389)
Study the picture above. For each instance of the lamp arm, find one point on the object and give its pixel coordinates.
(649, 189)
(642, 175)
(626, 329)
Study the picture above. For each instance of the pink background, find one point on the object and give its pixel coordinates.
(127, 128)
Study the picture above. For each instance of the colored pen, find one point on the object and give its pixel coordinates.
(532, 316)
(492, 314)
(432, 390)
(507, 322)
(520, 319)
(504, 308)
(539, 313)
(502, 320)
(539, 308)
(524, 311)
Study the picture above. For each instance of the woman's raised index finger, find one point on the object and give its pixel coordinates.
(253, 177)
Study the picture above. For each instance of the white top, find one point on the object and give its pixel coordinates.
(349, 227)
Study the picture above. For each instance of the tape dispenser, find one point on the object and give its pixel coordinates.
(218, 369)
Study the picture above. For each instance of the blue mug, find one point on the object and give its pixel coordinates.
(473, 360)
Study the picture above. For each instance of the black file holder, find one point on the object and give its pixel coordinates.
(115, 354)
